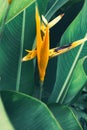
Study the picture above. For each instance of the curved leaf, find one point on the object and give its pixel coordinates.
(16, 7)
(9, 55)
(56, 6)
(75, 31)
(65, 117)
(26, 112)
(3, 9)
(77, 82)
(4, 121)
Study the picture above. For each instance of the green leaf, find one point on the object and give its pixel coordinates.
(19, 35)
(5, 123)
(75, 31)
(58, 30)
(55, 7)
(65, 117)
(26, 112)
(3, 8)
(16, 7)
(10, 51)
(55, 35)
(77, 82)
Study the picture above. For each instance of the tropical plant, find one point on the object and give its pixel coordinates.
(61, 103)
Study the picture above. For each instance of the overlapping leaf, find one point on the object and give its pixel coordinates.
(26, 112)
(19, 34)
(16, 7)
(76, 30)
(65, 117)
(4, 120)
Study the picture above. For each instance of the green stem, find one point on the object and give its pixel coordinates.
(21, 52)
(41, 89)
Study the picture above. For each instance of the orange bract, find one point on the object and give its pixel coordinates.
(42, 43)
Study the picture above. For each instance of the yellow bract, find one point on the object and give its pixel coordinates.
(42, 45)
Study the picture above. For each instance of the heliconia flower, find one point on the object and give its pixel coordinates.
(43, 51)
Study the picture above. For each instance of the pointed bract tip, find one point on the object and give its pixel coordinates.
(56, 20)
(44, 20)
(86, 36)
(62, 15)
(27, 50)
(36, 7)
(24, 59)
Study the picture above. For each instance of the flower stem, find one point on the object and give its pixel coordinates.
(41, 90)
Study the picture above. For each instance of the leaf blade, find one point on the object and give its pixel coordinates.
(28, 111)
(16, 8)
(4, 120)
(61, 112)
(67, 59)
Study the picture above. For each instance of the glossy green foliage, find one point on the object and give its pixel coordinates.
(66, 75)
(74, 83)
(14, 9)
(75, 31)
(66, 117)
(26, 112)
(19, 34)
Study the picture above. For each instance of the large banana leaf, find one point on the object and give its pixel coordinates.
(76, 30)
(28, 113)
(10, 53)
(19, 35)
(78, 81)
(65, 117)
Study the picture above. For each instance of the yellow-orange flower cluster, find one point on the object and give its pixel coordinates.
(42, 50)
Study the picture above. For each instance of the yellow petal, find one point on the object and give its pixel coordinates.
(31, 54)
(42, 43)
(38, 33)
(77, 43)
(55, 21)
(60, 50)
(44, 20)
(44, 55)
